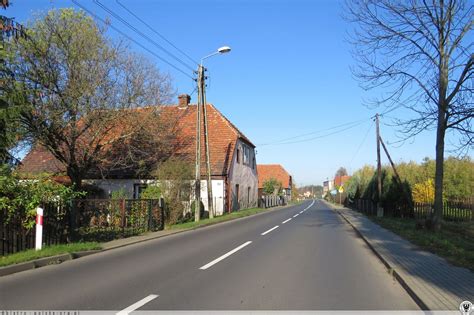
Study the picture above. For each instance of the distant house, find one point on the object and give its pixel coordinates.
(341, 180)
(328, 185)
(276, 171)
(232, 157)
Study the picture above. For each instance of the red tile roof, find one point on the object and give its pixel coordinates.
(268, 171)
(223, 136)
(341, 180)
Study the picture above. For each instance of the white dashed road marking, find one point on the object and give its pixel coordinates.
(138, 304)
(266, 232)
(215, 261)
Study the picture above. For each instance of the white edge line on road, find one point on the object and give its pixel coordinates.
(286, 221)
(138, 304)
(301, 212)
(268, 231)
(312, 203)
(296, 215)
(215, 261)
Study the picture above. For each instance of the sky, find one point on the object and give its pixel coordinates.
(288, 76)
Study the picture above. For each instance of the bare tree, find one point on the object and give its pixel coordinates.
(84, 91)
(420, 52)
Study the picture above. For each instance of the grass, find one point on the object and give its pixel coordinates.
(47, 251)
(454, 242)
(222, 218)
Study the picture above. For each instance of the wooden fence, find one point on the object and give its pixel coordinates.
(82, 220)
(456, 210)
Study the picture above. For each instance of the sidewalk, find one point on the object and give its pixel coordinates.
(429, 279)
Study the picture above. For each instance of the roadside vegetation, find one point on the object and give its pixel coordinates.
(47, 251)
(454, 241)
(418, 179)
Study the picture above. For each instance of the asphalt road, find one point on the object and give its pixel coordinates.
(315, 261)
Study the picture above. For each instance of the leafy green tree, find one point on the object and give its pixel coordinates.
(272, 186)
(358, 183)
(21, 198)
(11, 101)
(459, 178)
(174, 182)
(81, 86)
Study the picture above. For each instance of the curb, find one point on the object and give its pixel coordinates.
(42, 262)
(387, 265)
(54, 260)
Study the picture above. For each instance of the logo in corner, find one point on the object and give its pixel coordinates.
(466, 308)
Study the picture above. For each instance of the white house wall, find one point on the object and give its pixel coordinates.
(217, 195)
(110, 185)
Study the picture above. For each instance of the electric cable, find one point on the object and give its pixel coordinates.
(133, 40)
(155, 31)
(118, 17)
(286, 140)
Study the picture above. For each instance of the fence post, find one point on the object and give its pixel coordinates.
(149, 216)
(162, 213)
(39, 228)
(122, 210)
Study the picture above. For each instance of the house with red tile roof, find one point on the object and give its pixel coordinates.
(232, 159)
(341, 180)
(275, 171)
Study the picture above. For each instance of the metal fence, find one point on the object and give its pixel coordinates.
(82, 220)
(455, 210)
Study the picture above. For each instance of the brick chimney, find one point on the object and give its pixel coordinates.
(183, 100)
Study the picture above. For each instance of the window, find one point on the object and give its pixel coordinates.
(238, 156)
(138, 189)
(246, 155)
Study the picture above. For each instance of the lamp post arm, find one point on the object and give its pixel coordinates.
(213, 54)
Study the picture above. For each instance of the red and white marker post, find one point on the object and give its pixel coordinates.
(39, 228)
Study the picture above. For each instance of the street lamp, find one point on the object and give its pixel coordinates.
(201, 87)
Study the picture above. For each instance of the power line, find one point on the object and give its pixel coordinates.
(118, 17)
(133, 40)
(156, 32)
(360, 145)
(286, 140)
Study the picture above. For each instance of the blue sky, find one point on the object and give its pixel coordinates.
(288, 74)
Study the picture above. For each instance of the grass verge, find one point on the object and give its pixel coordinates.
(222, 218)
(47, 251)
(454, 242)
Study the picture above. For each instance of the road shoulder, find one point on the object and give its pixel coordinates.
(431, 281)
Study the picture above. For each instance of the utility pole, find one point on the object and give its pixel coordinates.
(197, 184)
(379, 169)
(206, 141)
(201, 85)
